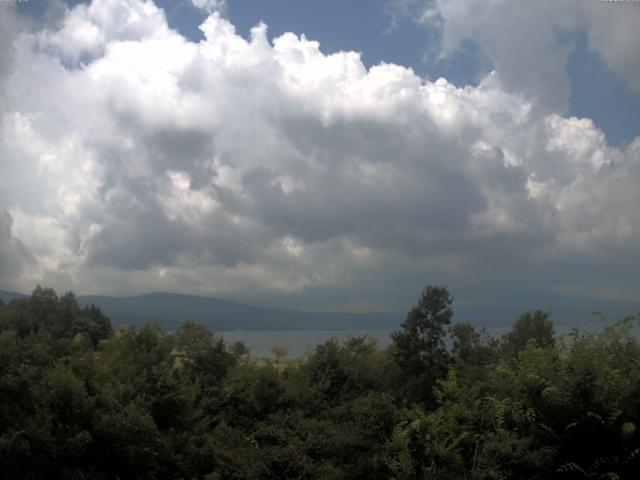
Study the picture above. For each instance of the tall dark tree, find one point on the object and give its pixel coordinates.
(420, 349)
(472, 346)
(536, 327)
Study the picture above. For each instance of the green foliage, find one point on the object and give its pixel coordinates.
(45, 312)
(419, 346)
(82, 402)
(534, 327)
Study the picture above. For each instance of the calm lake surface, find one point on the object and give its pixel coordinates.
(300, 342)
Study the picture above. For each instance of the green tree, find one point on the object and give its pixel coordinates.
(204, 354)
(531, 326)
(420, 349)
(280, 352)
(471, 346)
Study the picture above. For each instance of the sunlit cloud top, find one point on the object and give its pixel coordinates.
(134, 158)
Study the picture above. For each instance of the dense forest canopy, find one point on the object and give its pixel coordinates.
(444, 401)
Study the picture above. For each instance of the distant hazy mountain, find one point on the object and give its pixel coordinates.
(8, 296)
(173, 309)
(223, 315)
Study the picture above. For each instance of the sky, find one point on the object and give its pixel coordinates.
(322, 155)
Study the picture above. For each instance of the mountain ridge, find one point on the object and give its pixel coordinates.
(173, 309)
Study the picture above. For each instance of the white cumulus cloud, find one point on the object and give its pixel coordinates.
(134, 159)
(529, 43)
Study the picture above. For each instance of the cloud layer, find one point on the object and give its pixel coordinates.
(529, 43)
(134, 160)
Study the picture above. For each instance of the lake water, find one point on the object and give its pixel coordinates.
(298, 343)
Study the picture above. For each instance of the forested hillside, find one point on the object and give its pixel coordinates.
(444, 401)
(172, 309)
